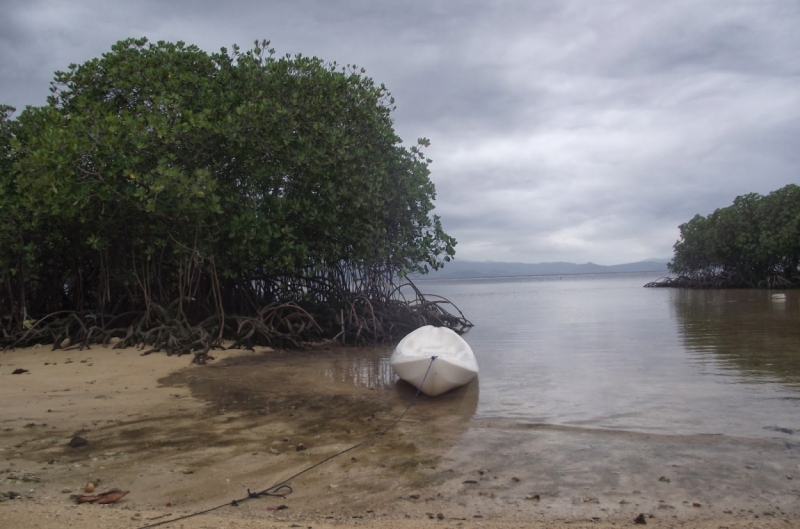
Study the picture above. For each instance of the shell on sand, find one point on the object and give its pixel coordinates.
(105, 498)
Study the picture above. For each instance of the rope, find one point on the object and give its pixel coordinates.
(275, 490)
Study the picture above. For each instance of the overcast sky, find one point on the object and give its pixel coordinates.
(561, 130)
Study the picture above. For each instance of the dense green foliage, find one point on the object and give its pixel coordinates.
(209, 184)
(753, 243)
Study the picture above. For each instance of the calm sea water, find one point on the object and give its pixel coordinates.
(604, 352)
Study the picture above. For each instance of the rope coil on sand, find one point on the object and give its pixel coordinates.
(275, 490)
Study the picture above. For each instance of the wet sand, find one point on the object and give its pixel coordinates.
(186, 438)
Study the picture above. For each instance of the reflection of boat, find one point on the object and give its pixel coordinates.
(455, 363)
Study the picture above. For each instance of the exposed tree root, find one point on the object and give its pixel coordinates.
(719, 281)
(359, 320)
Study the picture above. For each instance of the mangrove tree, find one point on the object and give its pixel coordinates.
(755, 242)
(170, 198)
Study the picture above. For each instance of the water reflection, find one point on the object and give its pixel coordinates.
(341, 383)
(745, 330)
(365, 367)
(368, 367)
(598, 353)
(607, 353)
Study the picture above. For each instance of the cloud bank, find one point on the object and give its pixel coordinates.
(561, 130)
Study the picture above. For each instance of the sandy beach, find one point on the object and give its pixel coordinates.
(182, 439)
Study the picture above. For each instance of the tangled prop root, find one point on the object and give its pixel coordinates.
(360, 320)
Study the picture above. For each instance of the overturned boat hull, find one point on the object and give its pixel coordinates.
(455, 363)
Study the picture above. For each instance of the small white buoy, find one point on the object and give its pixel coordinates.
(779, 297)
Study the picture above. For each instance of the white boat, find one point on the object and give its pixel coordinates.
(455, 363)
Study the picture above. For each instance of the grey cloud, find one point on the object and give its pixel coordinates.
(561, 130)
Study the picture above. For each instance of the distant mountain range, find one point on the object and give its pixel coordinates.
(464, 269)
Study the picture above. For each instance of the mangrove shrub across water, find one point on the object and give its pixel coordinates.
(755, 242)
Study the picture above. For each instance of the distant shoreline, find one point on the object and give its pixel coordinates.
(569, 274)
(474, 269)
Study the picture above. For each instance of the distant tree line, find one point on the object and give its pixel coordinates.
(754, 243)
(170, 198)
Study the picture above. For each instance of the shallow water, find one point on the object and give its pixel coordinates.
(604, 352)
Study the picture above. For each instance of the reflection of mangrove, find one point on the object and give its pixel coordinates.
(367, 368)
(743, 329)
